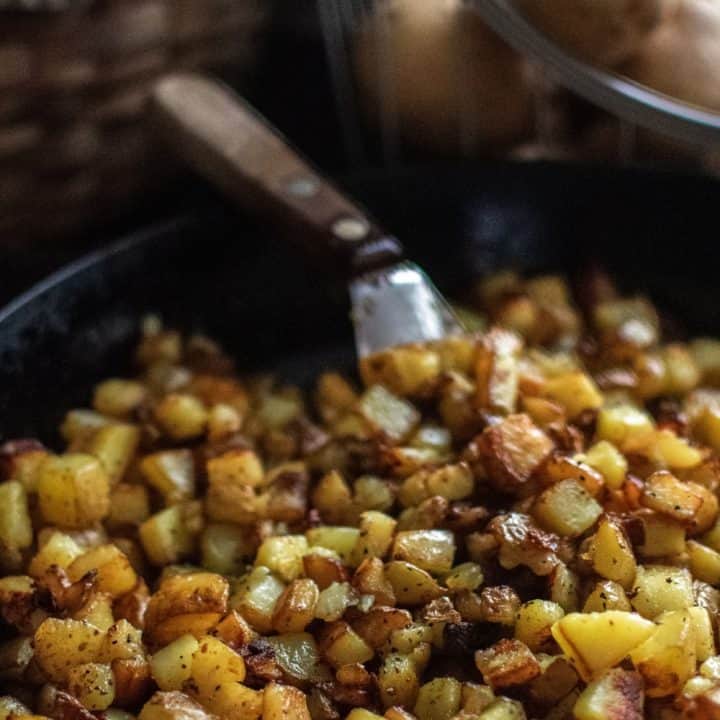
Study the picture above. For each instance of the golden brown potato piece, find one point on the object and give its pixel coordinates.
(682, 56)
(453, 82)
(173, 706)
(511, 451)
(187, 593)
(507, 663)
(606, 33)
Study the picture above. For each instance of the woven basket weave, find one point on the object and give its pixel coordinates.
(73, 143)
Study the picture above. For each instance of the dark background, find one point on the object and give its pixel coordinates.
(291, 86)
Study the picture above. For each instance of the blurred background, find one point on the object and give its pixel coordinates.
(355, 84)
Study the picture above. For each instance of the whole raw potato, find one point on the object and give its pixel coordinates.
(682, 57)
(604, 32)
(446, 78)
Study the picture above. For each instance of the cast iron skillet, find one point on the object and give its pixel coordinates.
(215, 272)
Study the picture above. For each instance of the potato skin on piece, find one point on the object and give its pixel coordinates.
(511, 451)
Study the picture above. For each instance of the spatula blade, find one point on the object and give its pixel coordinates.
(397, 305)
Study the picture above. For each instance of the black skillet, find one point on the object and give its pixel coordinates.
(216, 272)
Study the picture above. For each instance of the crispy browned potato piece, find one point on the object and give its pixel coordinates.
(511, 451)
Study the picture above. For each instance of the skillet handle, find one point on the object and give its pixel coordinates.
(229, 143)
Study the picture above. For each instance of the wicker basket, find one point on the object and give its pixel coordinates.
(73, 85)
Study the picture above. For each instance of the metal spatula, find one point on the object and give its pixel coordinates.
(227, 141)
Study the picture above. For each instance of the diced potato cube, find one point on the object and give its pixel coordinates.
(114, 446)
(507, 663)
(533, 623)
(81, 423)
(172, 665)
(631, 320)
(297, 655)
(682, 372)
(376, 532)
(406, 370)
(92, 684)
(60, 549)
(704, 635)
(564, 588)
(295, 608)
(466, 576)
(666, 660)
(660, 588)
(663, 537)
(324, 567)
(225, 547)
(62, 644)
(617, 693)
(234, 630)
(505, 709)
(16, 530)
(607, 595)
(123, 641)
(278, 409)
(223, 420)
(234, 701)
(512, 450)
(452, 482)
(607, 459)
(171, 473)
(706, 353)
(21, 461)
(704, 562)
(129, 505)
(173, 706)
(566, 508)
(196, 624)
(115, 574)
(476, 698)
(165, 536)
(341, 540)
(388, 414)
(496, 371)
(283, 702)
(118, 398)
(73, 490)
(334, 396)
(362, 714)
(665, 494)
(666, 449)
(438, 699)
(334, 600)
(611, 553)
(398, 680)
(431, 550)
(411, 585)
(257, 598)
(214, 663)
(236, 467)
(341, 645)
(181, 417)
(560, 467)
(190, 592)
(575, 392)
(577, 635)
(283, 555)
(621, 424)
(380, 623)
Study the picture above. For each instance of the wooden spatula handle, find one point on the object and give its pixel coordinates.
(228, 142)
